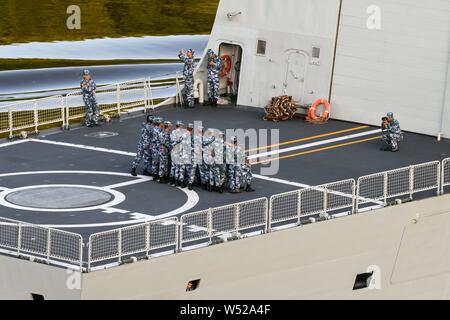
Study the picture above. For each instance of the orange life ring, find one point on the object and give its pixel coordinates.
(324, 115)
(226, 65)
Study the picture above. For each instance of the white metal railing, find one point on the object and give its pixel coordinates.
(141, 238)
(399, 182)
(31, 115)
(318, 200)
(231, 219)
(445, 174)
(22, 238)
(256, 216)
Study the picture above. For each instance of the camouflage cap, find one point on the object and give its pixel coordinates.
(167, 123)
(86, 73)
(190, 126)
(390, 114)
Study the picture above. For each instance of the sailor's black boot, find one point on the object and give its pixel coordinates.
(133, 172)
(172, 181)
(163, 180)
(221, 189)
(249, 189)
(178, 184)
(210, 188)
(190, 186)
(155, 178)
(146, 173)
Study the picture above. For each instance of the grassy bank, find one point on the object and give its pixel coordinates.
(22, 64)
(37, 20)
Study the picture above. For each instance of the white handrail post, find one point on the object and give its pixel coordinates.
(385, 188)
(67, 113)
(63, 113)
(210, 225)
(36, 116)
(443, 175)
(89, 254)
(49, 244)
(80, 255)
(266, 226)
(411, 182)
(19, 238)
(325, 201)
(180, 243)
(151, 93)
(354, 197)
(299, 207)
(237, 219)
(357, 195)
(438, 178)
(10, 120)
(147, 239)
(269, 215)
(119, 245)
(118, 100)
(177, 235)
(145, 96)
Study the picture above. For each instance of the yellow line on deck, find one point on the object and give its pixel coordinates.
(317, 150)
(309, 138)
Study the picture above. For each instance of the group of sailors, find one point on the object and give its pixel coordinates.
(188, 156)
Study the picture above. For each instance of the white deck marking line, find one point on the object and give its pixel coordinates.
(140, 216)
(276, 180)
(305, 186)
(128, 183)
(313, 144)
(287, 182)
(7, 144)
(3, 189)
(80, 146)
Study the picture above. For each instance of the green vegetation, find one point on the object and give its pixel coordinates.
(37, 20)
(20, 64)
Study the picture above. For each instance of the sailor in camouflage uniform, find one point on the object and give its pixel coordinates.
(392, 134)
(164, 152)
(155, 147)
(175, 141)
(88, 88)
(144, 147)
(197, 158)
(235, 161)
(188, 74)
(214, 67)
(184, 174)
(215, 156)
(247, 176)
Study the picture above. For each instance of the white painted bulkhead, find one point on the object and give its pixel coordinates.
(402, 67)
(291, 30)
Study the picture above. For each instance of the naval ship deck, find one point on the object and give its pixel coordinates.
(99, 159)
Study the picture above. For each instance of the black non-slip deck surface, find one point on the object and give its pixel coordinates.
(315, 165)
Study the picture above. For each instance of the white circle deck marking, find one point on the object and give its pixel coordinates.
(192, 201)
(118, 198)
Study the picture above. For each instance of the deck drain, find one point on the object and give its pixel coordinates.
(101, 135)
